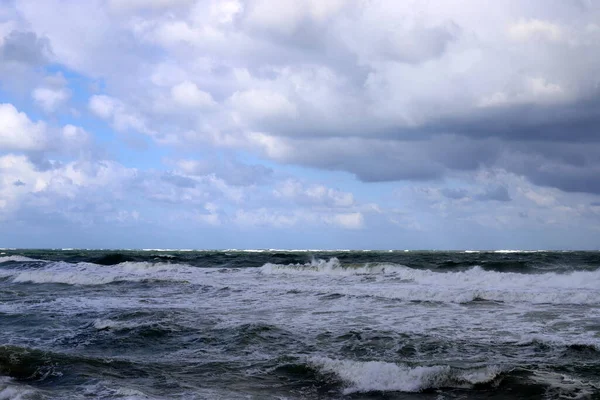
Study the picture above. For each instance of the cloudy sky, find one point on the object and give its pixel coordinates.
(449, 124)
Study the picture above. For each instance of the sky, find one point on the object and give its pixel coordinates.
(322, 124)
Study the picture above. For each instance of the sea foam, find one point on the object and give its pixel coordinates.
(326, 267)
(93, 274)
(374, 376)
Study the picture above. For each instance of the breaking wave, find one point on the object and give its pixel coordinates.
(11, 390)
(94, 274)
(328, 267)
(590, 343)
(471, 285)
(377, 376)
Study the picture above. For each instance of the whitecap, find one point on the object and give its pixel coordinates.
(10, 390)
(325, 267)
(371, 376)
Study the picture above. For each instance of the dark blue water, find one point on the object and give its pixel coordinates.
(299, 325)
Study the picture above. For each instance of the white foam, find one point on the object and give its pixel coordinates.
(564, 340)
(327, 267)
(403, 283)
(373, 376)
(102, 324)
(564, 386)
(9, 390)
(94, 274)
(518, 251)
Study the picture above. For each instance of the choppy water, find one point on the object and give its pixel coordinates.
(299, 325)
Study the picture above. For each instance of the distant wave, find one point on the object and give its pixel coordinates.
(377, 376)
(16, 259)
(519, 251)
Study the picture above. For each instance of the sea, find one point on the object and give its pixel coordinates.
(304, 324)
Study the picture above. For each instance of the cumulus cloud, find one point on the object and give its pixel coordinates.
(50, 99)
(321, 195)
(18, 132)
(52, 94)
(187, 94)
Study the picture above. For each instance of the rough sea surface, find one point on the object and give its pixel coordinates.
(299, 325)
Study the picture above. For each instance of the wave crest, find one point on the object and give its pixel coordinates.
(333, 266)
(371, 376)
(94, 274)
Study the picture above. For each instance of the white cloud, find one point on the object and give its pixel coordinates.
(284, 16)
(266, 218)
(102, 106)
(134, 5)
(50, 99)
(534, 90)
(75, 138)
(535, 28)
(262, 104)
(313, 194)
(187, 94)
(18, 132)
(348, 220)
(114, 110)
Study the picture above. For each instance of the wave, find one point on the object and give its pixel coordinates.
(471, 285)
(518, 251)
(18, 259)
(93, 274)
(110, 324)
(579, 343)
(327, 267)
(377, 376)
(9, 389)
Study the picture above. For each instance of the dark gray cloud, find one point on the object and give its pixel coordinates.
(499, 193)
(26, 47)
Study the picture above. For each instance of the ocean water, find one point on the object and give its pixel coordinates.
(299, 325)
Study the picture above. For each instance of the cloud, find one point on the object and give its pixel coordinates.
(535, 28)
(469, 104)
(18, 132)
(319, 195)
(232, 172)
(52, 94)
(348, 220)
(262, 105)
(135, 5)
(25, 47)
(187, 94)
(102, 106)
(123, 119)
(498, 193)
